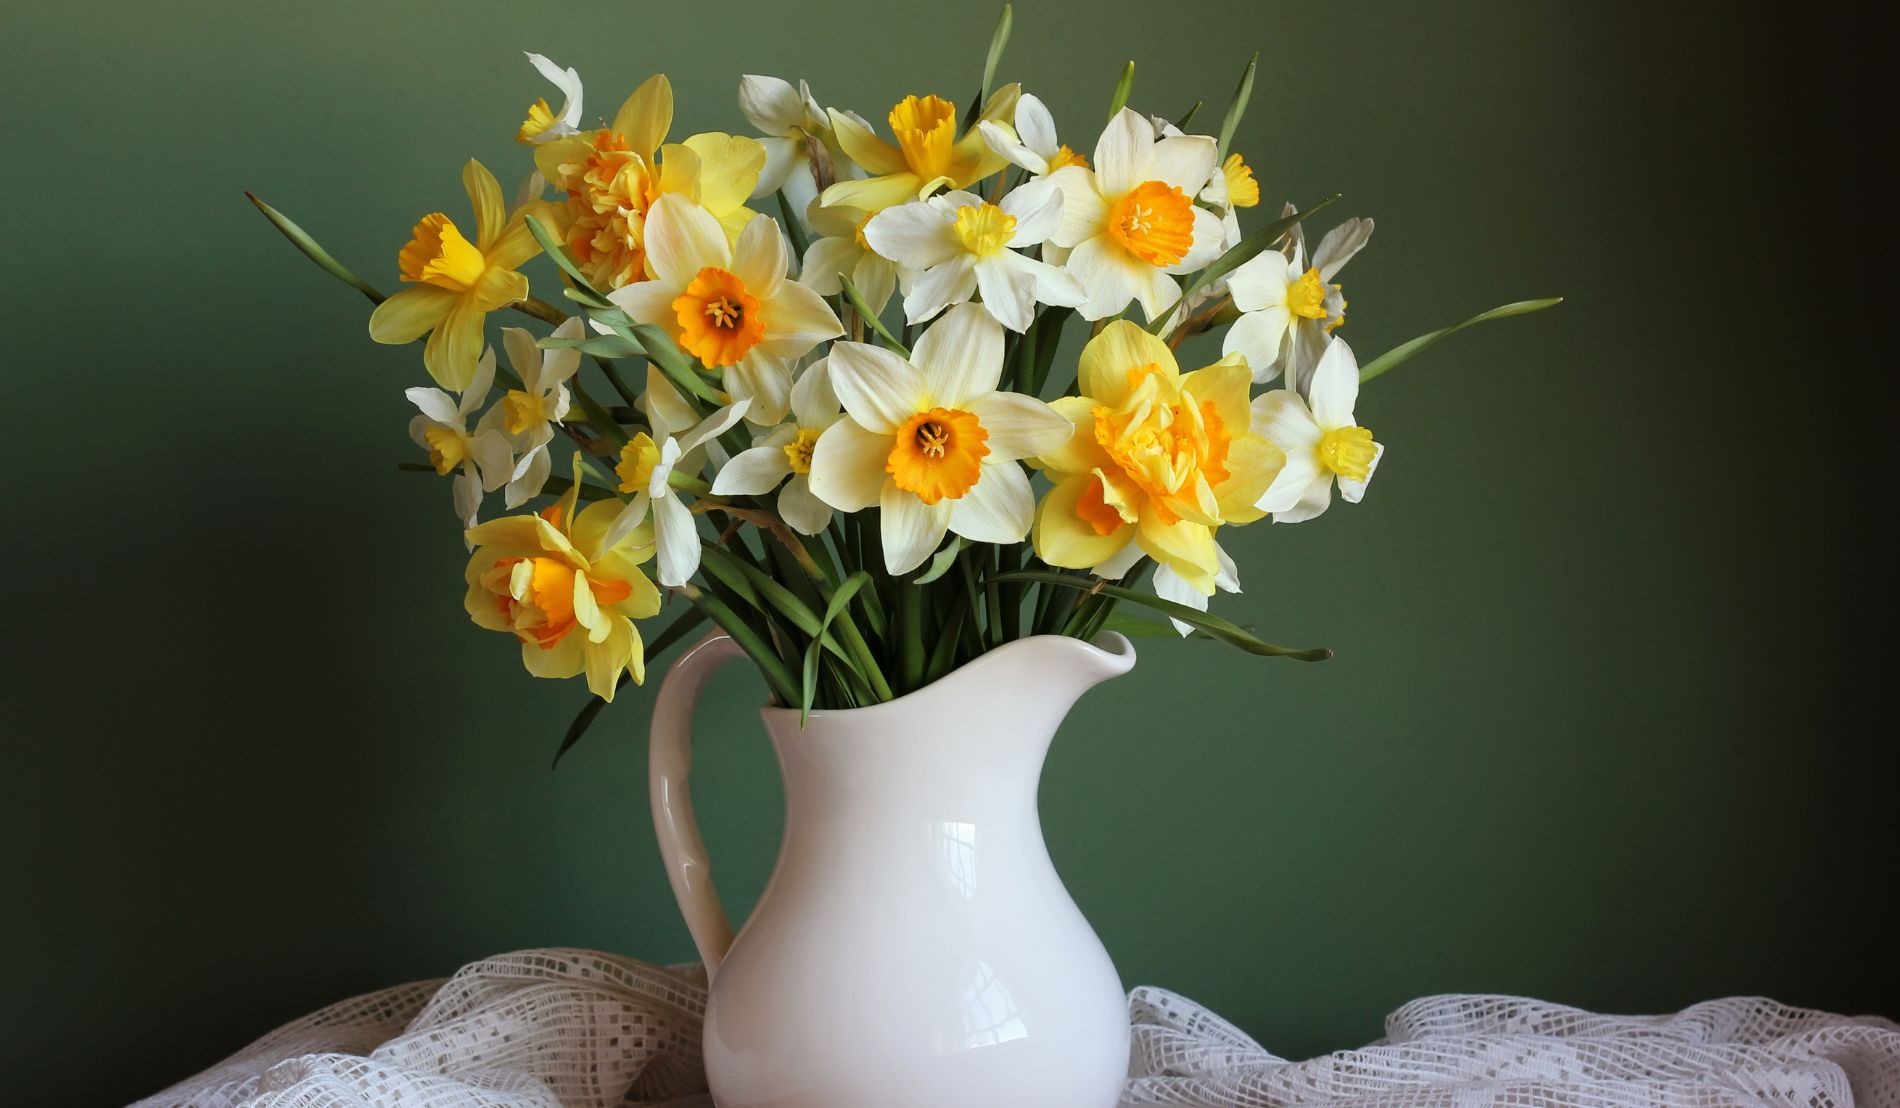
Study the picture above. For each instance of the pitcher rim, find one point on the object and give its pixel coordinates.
(1121, 658)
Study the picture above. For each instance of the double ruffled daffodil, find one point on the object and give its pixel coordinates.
(783, 455)
(729, 305)
(543, 123)
(1288, 307)
(843, 252)
(481, 460)
(931, 442)
(528, 415)
(1160, 459)
(554, 582)
(796, 131)
(927, 156)
(1321, 441)
(454, 283)
(613, 176)
(958, 244)
(1032, 143)
(646, 472)
(1130, 224)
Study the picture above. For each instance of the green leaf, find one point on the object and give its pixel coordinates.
(870, 317)
(587, 294)
(998, 40)
(1187, 117)
(792, 228)
(301, 239)
(1237, 107)
(1404, 352)
(1230, 633)
(1123, 88)
(601, 346)
(939, 565)
(839, 599)
(584, 719)
(777, 677)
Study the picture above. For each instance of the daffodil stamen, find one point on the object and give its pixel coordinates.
(1306, 297)
(798, 452)
(719, 319)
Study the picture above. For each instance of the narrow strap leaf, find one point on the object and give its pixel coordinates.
(1237, 107)
(870, 317)
(998, 41)
(792, 229)
(1404, 352)
(1230, 633)
(1123, 87)
(588, 294)
(301, 239)
(1187, 117)
(839, 600)
(939, 564)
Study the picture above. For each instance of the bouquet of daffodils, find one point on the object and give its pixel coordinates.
(810, 386)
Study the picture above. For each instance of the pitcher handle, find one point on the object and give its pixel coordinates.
(669, 764)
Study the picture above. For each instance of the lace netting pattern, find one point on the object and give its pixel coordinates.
(579, 1029)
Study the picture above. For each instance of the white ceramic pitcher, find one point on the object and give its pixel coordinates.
(914, 948)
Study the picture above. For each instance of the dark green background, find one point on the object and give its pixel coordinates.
(1596, 731)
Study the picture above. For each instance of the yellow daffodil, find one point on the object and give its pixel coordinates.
(570, 597)
(455, 283)
(1160, 459)
(1130, 224)
(728, 305)
(931, 442)
(613, 176)
(1321, 441)
(928, 154)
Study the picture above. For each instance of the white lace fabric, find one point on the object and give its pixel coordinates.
(579, 1029)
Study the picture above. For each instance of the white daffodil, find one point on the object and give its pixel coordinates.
(544, 124)
(1288, 308)
(1130, 224)
(1321, 442)
(791, 121)
(1032, 143)
(529, 415)
(729, 305)
(1170, 585)
(645, 471)
(784, 454)
(843, 252)
(959, 245)
(931, 442)
(481, 461)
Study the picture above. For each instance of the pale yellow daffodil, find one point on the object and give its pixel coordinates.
(927, 155)
(613, 176)
(571, 597)
(455, 283)
(1160, 458)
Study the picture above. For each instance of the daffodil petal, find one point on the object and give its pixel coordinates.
(999, 508)
(1063, 538)
(879, 389)
(681, 239)
(911, 529)
(847, 466)
(961, 356)
(1020, 426)
(1123, 345)
(410, 314)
